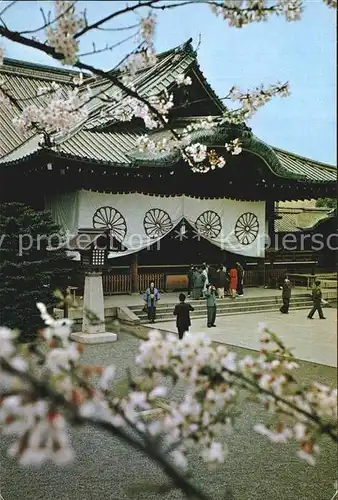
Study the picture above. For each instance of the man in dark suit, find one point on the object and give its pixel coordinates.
(317, 301)
(286, 296)
(182, 313)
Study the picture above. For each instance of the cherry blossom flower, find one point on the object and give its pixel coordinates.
(59, 360)
(7, 337)
(182, 80)
(276, 437)
(61, 38)
(251, 101)
(214, 454)
(197, 151)
(61, 112)
(47, 440)
(108, 377)
(147, 29)
(135, 62)
(240, 13)
(234, 147)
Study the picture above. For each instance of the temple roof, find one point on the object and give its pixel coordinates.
(291, 220)
(101, 140)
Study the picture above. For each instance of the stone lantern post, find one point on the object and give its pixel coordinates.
(94, 255)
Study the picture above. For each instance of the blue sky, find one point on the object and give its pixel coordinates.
(303, 53)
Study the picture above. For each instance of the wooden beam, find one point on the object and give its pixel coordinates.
(134, 273)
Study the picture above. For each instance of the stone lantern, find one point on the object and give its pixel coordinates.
(93, 246)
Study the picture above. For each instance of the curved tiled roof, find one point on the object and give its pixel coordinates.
(100, 140)
(305, 167)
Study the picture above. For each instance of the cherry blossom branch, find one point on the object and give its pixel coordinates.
(149, 449)
(324, 428)
(18, 38)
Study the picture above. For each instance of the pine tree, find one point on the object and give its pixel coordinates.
(29, 272)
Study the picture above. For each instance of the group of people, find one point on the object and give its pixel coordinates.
(208, 290)
(182, 309)
(317, 298)
(227, 281)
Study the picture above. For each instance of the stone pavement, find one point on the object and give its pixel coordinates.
(311, 340)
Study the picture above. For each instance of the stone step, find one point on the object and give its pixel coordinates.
(226, 304)
(168, 316)
(227, 300)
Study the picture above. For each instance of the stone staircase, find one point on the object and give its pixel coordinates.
(227, 306)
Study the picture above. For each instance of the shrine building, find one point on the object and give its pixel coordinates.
(162, 215)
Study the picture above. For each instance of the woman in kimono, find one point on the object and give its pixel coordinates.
(233, 281)
(151, 297)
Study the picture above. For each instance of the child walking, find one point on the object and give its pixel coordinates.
(182, 313)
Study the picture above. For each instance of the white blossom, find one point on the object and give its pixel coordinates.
(108, 377)
(197, 151)
(239, 13)
(251, 101)
(276, 437)
(7, 337)
(182, 80)
(67, 24)
(60, 113)
(59, 360)
(179, 459)
(214, 453)
(234, 147)
(308, 456)
(147, 29)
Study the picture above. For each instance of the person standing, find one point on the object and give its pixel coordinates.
(190, 276)
(198, 284)
(240, 279)
(151, 297)
(205, 273)
(233, 282)
(182, 313)
(211, 305)
(286, 296)
(221, 282)
(317, 301)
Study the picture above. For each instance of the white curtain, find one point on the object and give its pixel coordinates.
(139, 221)
(64, 209)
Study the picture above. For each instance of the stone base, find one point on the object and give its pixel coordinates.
(93, 338)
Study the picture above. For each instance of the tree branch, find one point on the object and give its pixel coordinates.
(132, 8)
(48, 23)
(111, 47)
(325, 429)
(7, 7)
(152, 451)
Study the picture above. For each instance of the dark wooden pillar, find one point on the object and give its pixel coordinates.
(134, 273)
(270, 217)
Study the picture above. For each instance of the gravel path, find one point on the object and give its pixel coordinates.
(104, 467)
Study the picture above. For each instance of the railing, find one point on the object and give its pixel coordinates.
(116, 283)
(145, 278)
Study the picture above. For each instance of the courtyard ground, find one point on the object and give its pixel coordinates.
(254, 470)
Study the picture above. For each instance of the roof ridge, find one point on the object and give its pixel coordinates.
(334, 167)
